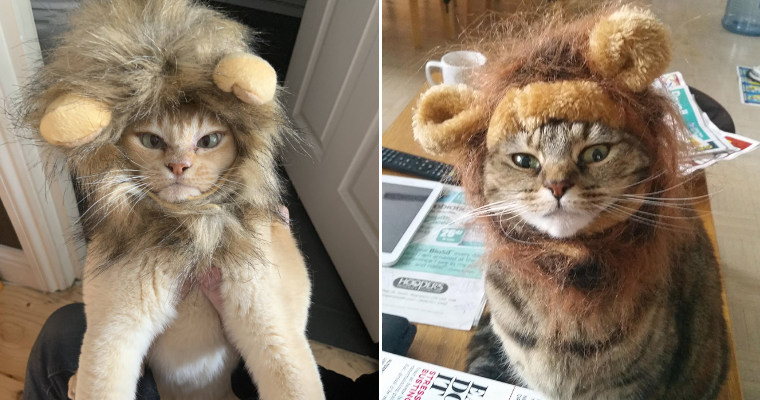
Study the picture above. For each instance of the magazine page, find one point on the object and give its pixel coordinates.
(443, 244)
(407, 379)
(438, 279)
(704, 139)
(447, 301)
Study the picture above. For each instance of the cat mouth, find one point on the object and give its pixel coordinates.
(558, 211)
(177, 192)
(560, 223)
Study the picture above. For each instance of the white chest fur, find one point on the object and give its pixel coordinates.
(192, 359)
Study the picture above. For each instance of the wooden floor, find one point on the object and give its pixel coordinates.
(23, 311)
(734, 185)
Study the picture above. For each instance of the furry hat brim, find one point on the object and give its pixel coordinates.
(532, 106)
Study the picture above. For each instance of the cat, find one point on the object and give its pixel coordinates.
(670, 344)
(600, 278)
(176, 157)
(171, 126)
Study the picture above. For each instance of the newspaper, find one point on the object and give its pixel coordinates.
(407, 379)
(438, 279)
(711, 143)
(749, 87)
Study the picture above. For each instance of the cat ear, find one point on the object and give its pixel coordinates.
(447, 116)
(250, 77)
(630, 45)
(72, 120)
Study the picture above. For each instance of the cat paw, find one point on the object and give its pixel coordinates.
(72, 120)
(73, 387)
(250, 77)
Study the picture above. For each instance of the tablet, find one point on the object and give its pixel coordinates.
(406, 202)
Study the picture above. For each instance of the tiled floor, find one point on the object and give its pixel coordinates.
(23, 311)
(707, 55)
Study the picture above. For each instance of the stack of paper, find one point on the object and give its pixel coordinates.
(404, 378)
(712, 144)
(438, 279)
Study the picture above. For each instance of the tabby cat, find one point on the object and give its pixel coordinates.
(600, 278)
(554, 183)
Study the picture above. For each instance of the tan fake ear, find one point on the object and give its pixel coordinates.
(630, 45)
(447, 116)
(250, 77)
(72, 120)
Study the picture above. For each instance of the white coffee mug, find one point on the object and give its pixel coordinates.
(455, 66)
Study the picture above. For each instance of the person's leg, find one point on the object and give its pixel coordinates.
(55, 354)
(55, 357)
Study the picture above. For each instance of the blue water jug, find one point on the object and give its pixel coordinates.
(743, 17)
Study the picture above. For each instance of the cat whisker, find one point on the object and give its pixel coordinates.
(677, 185)
(635, 211)
(644, 196)
(115, 180)
(234, 182)
(109, 206)
(479, 212)
(650, 178)
(224, 190)
(475, 213)
(140, 196)
(500, 212)
(107, 185)
(645, 221)
(667, 205)
(515, 227)
(89, 209)
(106, 172)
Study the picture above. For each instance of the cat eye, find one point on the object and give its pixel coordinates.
(595, 154)
(526, 161)
(151, 141)
(209, 141)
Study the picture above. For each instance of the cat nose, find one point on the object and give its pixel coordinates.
(178, 168)
(558, 188)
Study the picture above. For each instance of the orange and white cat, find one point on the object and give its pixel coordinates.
(171, 125)
(189, 347)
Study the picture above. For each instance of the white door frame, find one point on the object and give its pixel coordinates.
(43, 213)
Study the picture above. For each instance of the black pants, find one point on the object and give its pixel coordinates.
(55, 358)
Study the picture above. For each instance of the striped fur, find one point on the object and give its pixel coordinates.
(626, 309)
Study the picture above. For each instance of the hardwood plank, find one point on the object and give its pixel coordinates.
(440, 346)
(10, 389)
(23, 311)
(732, 389)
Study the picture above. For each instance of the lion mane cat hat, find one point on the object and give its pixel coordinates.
(584, 71)
(123, 61)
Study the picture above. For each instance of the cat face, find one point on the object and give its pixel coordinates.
(561, 176)
(181, 155)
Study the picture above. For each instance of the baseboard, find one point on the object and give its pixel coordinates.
(14, 267)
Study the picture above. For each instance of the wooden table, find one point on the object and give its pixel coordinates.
(448, 347)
